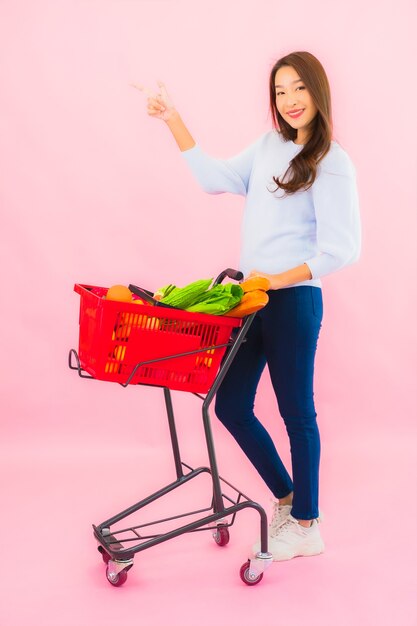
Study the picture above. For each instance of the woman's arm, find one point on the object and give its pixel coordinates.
(214, 175)
(336, 206)
(180, 132)
(286, 279)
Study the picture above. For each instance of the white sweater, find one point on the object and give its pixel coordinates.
(320, 227)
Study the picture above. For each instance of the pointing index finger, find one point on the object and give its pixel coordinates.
(143, 89)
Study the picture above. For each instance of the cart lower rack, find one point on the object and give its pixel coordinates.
(172, 349)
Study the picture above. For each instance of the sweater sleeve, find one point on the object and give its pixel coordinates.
(218, 175)
(338, 227)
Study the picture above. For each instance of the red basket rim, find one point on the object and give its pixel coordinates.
(170, 312)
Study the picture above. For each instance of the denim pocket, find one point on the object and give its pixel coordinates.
(317, 302)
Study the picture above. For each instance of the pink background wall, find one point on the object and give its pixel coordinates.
(94, 191)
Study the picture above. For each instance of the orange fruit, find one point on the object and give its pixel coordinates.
(119, 293)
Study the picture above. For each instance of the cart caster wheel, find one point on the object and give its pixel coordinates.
(117, 580)
(247, 579)
(221, 535)
(104, 555)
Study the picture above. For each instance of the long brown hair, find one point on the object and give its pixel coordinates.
(302, 170)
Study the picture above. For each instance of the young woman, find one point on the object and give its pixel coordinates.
(301, 222)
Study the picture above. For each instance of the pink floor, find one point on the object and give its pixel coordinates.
(52, 574)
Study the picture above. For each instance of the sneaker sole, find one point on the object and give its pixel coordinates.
(312, 551)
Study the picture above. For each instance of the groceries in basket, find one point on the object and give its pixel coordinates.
(119, 293)
(237, 300)
(201, 296)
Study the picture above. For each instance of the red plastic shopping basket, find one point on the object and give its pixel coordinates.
(116, 336)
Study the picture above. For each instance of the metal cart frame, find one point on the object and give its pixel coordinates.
(112, 543)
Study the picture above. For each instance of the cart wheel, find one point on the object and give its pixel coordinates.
(221, 535)
(105, 555)
(244, 575)
(118, 580)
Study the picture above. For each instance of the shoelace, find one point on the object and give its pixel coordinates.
(287, 526)
(279, 515)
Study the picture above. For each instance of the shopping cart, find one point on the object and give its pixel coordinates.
(176, 350)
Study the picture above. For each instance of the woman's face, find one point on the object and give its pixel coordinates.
(294, 102)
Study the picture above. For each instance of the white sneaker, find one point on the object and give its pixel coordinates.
(280, 513)
(291, 540)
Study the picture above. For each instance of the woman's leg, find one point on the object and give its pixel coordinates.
(291, 323)
(235, 409)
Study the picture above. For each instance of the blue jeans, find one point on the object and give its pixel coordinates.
(283, 335)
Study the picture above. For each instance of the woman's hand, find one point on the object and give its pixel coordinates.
(159, 104)
(271, 277)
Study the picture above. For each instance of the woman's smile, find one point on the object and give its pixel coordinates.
(296, 113)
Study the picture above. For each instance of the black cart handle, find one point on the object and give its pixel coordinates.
(148, 296)
(230, 273)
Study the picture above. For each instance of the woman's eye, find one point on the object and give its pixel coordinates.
(280, 93)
